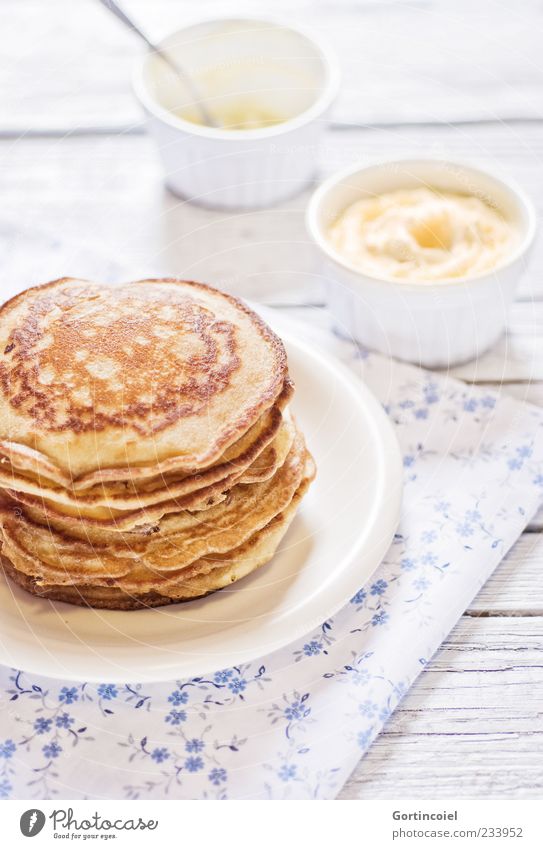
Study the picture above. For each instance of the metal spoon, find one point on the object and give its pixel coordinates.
(205, 115)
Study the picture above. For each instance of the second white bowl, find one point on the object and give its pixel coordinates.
(434, 324)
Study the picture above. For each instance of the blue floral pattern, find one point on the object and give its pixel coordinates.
(294, 724)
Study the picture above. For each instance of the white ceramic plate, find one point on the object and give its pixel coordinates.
(337, 540)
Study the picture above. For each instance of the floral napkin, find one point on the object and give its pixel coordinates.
(295, 724)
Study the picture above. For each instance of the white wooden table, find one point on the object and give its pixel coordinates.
(81, 194)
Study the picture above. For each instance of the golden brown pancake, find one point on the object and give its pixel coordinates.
(96, 522)
(107, 502)
(116, 532)
(180, 540)
(96, 377)
(20, 460)
(215, 574)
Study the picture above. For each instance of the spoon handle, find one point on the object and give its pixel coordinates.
(116, 10)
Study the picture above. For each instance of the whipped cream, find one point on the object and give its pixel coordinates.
(422, 235)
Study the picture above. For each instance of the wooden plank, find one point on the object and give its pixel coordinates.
(516, 587)
(426, 61)
(472, 725)
(65, 201)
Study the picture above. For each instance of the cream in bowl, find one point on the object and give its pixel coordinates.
(423, 256)
(241, 114)
(423, 235)
(268, 88)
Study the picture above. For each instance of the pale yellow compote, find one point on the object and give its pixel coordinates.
(422, 235)
(240, 115)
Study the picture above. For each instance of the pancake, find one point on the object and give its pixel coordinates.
(182, 539)
(96, 523)
(21, 461)
(215, 574)
(95, 377)
(105, 502)
(137, 520)
(147, 455)
(273, 456)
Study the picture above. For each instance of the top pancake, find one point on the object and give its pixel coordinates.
(96, 377)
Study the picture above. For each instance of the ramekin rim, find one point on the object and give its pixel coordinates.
(511, 185)
(328, 92)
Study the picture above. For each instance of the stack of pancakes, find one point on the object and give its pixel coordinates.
(147, 455)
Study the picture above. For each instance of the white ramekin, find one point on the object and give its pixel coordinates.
(237, 169)
(434, 324)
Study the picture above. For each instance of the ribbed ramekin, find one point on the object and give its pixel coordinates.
(237, 169)
(434, 324)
